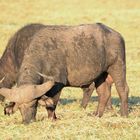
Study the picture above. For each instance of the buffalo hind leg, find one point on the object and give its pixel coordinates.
(103, 96)
(109, 82)
(28, 112)
(87, 92)
(118, 73)
(109, 102)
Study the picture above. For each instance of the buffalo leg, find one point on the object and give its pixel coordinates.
(87, 95)
(109, 103)
(109, 82)
(51, 108)
(54, 95)
(28, 111)
(87, 92)
(103, 96)
(119, 78)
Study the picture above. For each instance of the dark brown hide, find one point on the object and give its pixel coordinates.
(77, 56)
(13, 55)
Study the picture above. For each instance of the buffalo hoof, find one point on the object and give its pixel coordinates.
(109, 107)
(97, 114)
(53, 118)
(83, 106)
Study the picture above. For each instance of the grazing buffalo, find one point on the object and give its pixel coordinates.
(12, 59)
(74, 56)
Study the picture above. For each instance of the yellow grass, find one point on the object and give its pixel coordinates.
(122, 15)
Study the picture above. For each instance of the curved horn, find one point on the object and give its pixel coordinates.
(43, 88)
(26, 93)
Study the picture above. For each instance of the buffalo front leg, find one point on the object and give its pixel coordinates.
(87, 92)
(28, 111)
(53, 96)
(51, 106)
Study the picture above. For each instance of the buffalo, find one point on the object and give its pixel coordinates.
(74, 56)
(12, 59)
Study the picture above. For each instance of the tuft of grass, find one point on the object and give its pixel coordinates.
(74, 123)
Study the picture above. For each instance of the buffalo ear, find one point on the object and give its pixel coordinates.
(6, 93)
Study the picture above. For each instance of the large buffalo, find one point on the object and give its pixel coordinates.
(74, 56)
(12, 58)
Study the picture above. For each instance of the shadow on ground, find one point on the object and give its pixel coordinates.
(133, 100)
(65, 101)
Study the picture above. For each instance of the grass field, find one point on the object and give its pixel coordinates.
(74, 123)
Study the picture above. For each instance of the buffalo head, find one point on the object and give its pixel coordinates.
(26, 93)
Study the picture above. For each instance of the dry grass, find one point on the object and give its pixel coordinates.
(74, 123)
